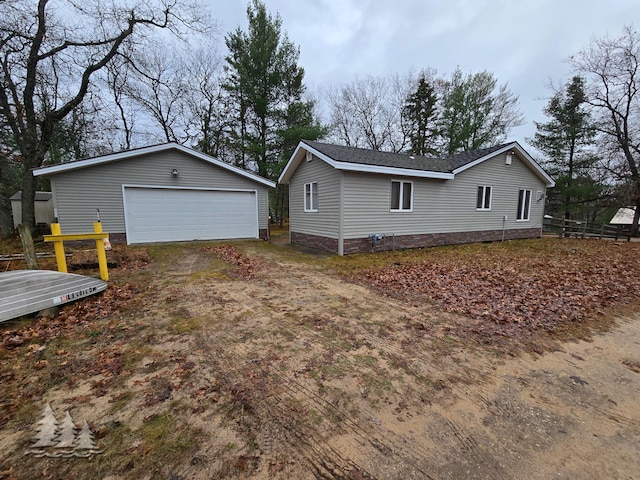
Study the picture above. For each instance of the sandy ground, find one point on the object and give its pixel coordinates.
(296, 373)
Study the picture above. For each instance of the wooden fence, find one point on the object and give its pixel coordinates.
(581, 229)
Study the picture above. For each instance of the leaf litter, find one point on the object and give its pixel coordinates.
(506, 292)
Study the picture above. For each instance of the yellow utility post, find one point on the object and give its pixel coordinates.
(57, 238)
(58, 248)
(102, 255)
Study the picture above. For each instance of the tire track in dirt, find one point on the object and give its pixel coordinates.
(302, 441)
(499, 395)
(385, 442)
(321, 454)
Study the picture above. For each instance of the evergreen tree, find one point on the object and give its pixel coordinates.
(266, 91)
(566, 140)
(420, 113)
(266, 86)
(299, 123)
(476, 112)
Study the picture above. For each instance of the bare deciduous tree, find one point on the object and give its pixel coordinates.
(611, 67)
(49, 55)
(367, 113)
(206, 104)
(158, 85)
(117, 76)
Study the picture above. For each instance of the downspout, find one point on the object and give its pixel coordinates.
(504, 225)
(341, 217)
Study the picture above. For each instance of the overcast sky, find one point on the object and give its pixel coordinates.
(524, 43)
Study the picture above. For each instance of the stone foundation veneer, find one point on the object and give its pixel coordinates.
(400, 242)
(315, 241)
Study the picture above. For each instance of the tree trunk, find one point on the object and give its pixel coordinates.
(636, 219)
(28, 247)
(28, 200)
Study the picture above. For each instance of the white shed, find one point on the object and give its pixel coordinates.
(623, 216)
(43, 208)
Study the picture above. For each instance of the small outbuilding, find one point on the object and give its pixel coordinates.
(43, 208)
(623, 217)
(347, 200)
(161, 193)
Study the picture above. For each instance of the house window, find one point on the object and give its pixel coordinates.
(311, 197)
(524, 205)
(484, 198)
(401, 196)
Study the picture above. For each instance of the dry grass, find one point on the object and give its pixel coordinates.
(204, 364)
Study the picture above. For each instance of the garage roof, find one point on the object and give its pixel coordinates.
(115, 157)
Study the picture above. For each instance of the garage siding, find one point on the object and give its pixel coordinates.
(78, 193)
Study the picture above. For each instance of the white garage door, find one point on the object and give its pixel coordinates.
(167, 215)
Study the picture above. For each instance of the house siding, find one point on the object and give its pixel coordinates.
(79, 193)
(442, 206)
(326, 221)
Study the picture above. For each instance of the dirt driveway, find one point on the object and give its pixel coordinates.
(285, 370)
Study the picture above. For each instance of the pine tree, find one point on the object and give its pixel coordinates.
(266, 85)
(420, 112)
(567, 141)
(476, 112)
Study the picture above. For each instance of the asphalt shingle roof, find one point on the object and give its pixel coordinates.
(400, 160)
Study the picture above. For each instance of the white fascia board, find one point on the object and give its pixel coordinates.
(406, 172)
(356, 167)
(225, 165)
(291, 165)
(527, 158)
(65, 167)
(89, 162)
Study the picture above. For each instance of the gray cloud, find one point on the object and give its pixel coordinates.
(524, 44)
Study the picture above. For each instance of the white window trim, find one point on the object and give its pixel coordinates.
(402, 210)
(312, 189)
(528, 209)
(484, 190)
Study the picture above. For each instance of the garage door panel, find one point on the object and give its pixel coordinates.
(161, 215)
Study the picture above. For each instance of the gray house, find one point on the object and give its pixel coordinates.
(161, 193)
(347, 200)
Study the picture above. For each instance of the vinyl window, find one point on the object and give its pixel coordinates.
(524, 205)
(401, 196)
(483, 201)
(311, 197)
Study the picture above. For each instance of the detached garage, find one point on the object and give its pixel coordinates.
(162, 193)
